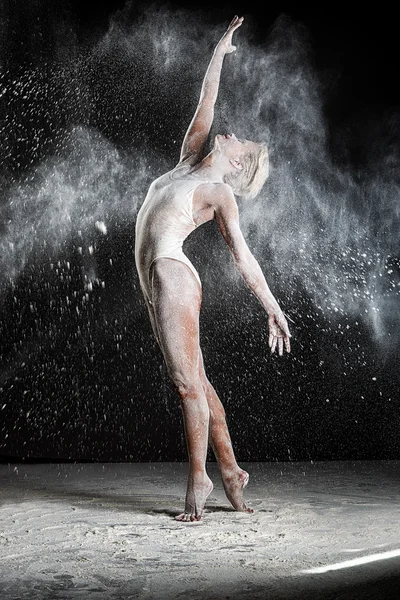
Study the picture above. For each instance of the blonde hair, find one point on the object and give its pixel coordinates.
(249, 181)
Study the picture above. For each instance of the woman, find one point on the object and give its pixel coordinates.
(197, 190)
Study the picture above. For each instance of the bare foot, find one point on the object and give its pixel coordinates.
(234, 484)
(197, 492)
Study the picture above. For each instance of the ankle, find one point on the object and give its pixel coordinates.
(228, 471)
(198, 475)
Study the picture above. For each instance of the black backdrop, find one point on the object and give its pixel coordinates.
(86, 123)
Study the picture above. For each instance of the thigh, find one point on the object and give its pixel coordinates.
(176, 301)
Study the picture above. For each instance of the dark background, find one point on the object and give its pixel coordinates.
(81, 377)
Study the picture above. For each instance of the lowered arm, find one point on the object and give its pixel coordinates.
(227, 217)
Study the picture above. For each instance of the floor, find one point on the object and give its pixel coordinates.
(320, 530)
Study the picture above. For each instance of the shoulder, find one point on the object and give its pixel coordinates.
(220, 197)
(224, 200)
(218, 192)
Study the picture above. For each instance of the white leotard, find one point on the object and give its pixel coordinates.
(164, 221)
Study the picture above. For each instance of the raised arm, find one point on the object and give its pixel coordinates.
(200, 125)
(227, 217)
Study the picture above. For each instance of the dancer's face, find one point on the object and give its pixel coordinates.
(232, 147)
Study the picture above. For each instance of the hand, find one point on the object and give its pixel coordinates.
(279, 333)
(226, 41)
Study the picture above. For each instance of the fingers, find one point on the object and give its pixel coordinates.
(236, 22)
(279, 334)
(272, 340)
(281, 342)
(239, 21)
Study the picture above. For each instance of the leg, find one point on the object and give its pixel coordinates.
(176, 300)
(233, 477)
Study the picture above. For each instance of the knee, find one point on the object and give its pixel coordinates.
(187, 386)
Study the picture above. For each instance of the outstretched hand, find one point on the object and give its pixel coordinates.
(226, 41)
(279, 334)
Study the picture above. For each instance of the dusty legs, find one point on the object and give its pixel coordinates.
(234, 478)
(196, 419)
(176, 300)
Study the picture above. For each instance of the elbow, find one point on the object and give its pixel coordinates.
(240, 263)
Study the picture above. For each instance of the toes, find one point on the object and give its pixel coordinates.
(187, 518)
(184, 517)
(244, 508)
(195, 517)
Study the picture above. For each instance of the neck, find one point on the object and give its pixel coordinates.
(211, 167)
